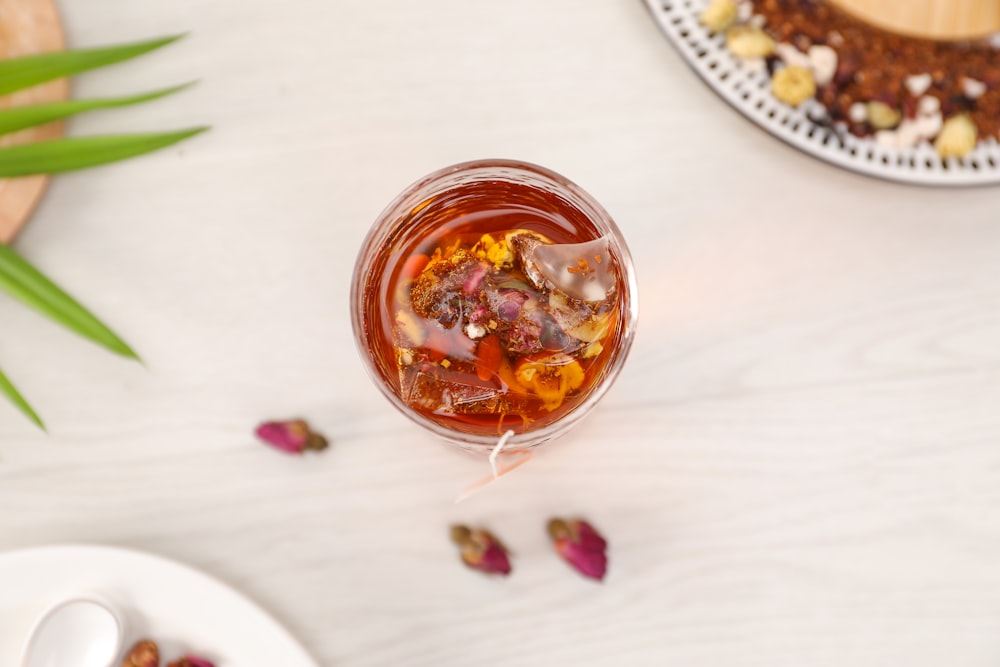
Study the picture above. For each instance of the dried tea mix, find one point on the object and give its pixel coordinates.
(479, 332)
(897, 89)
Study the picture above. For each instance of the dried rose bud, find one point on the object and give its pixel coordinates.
(293, 436)
(474, 279)
(144, 653)
(191, 661)
(480, 550)
(581, 546)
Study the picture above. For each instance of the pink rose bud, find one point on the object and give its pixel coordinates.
(191, 661)
(293, 436)
(581, 546)
(480, 550)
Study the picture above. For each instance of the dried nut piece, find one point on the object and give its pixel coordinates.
(791, 56)
(823, 61)
(972, 88)
(881, 116)
(957, 137)
(918, 84)
(749, 42)
(719, 15)
(929, 126)
(858, 113)
(144, 653)
(908, 134)
(928, 105)
(793, 85)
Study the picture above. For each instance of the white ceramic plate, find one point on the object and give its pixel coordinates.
(749, 92)
(183, 610)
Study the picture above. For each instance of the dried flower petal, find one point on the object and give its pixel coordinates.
(793, 85)
(749, 42)
(481, 550)
(581, 546)
(144, 653)
(292, 436)
(191, 661)
(551, 378)
(719, 15)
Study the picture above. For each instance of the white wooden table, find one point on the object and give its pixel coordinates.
(797, 467)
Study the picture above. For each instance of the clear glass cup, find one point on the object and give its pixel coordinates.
(463, 194)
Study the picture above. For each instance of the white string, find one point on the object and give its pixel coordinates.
(501, 443)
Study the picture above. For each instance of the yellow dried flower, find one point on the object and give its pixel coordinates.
(499, 253)
(590, 330)
(749, 42)
(957, 137)
(719, 15)
(793, 85)
(551, 379)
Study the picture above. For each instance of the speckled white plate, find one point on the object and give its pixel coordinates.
(749, 92)
(183, 610)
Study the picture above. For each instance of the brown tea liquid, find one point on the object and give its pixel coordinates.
(459, 330)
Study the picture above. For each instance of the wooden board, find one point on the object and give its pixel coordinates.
(937, 19)
(26, 27)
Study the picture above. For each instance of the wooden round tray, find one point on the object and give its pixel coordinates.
(936, 19)
(27, 27)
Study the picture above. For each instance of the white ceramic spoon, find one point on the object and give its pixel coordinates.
(82, 632)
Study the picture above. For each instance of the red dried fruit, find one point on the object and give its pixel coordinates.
(414, 265)
(489, 356)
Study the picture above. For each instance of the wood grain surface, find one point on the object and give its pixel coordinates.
(797, 467)
(27, 27)
(938, 19)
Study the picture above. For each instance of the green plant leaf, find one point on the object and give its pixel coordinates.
(11, 392)
(23, 281)
(19, 118)
(59, 155)
(28, 71)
